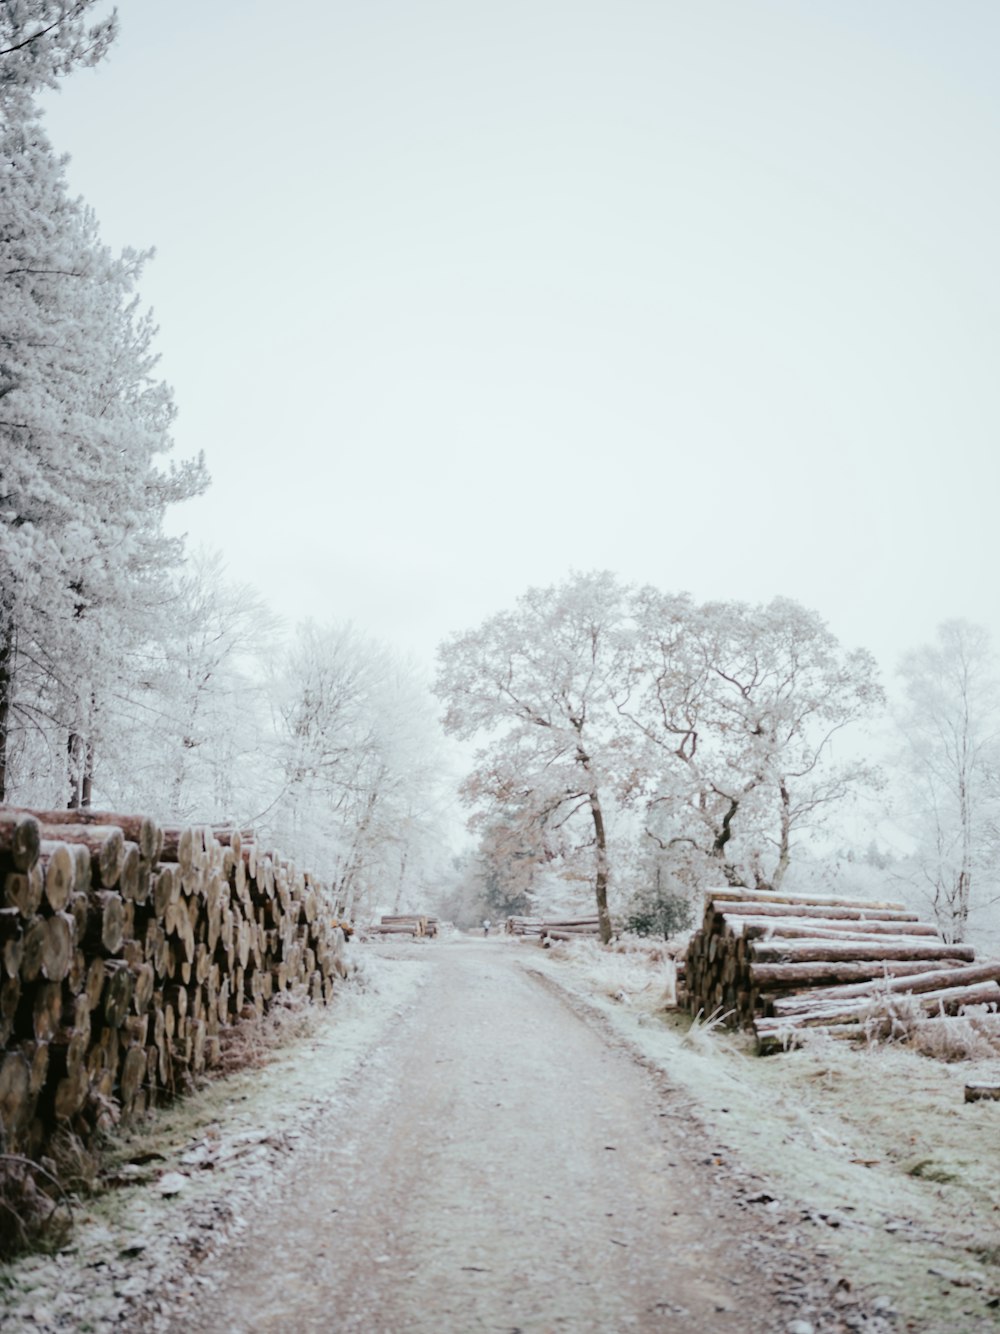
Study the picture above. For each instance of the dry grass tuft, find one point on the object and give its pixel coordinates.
(704, 1031)
(891, 1016)
(971, 1036)
(35, 1210)
(249, 1043)
(630, 973)
(75, 1167)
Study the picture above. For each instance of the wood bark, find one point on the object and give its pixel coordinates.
(739, 893)
(11, 937)
(828, 910)
(835, 951)
(760, 928)
(949, 999)
(139, 829)
(773, 976)
(23, 890)
(931, 980)
(105, 928)
(16, 1102)
(20, 839)
(120, 973)
(756, 949)
(982, 1092)
(58, 866)
(58, 946)
(105, 843)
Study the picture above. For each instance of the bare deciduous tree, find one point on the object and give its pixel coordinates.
(538, 679)
(950, 761)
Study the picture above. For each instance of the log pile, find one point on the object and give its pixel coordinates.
(523, 926)
(554, 928)
(784, 963)
(127, 952)
(405, 924)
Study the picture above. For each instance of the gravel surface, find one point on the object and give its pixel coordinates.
(504, 1166)
(461, 1150)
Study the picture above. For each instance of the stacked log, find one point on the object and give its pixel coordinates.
(570, 928)
(405, 924)
(553, 928)
(785, 963)
(523, 926)
(127, 953)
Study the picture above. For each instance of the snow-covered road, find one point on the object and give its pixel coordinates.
(500, 1166)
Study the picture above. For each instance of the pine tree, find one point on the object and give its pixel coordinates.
(83, 423)
(41, 40)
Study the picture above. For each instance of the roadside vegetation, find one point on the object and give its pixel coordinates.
(872, 1149)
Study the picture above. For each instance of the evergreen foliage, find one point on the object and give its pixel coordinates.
(84, 426)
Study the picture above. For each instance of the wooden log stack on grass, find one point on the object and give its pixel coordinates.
(569, 928)
(554, 928)
(405, 924)
(523, 926)
(782, 964)
(128, 953)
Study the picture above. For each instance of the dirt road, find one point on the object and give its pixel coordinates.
(500, 1167)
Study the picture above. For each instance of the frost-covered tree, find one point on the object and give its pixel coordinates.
(84, 424)
(41, 40)
(949, 772)
(221, 634)
(715, 723)
(358, 747)
(511, 861)
(537, 681)
(737, 708)
(186, 734)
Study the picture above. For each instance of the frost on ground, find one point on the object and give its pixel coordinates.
(446, 1149)
(896, 1178)
(185, 1180)
(506, 1165)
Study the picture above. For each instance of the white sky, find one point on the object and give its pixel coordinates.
(457, 296)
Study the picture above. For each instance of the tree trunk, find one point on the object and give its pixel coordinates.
(601, 880)
(87, 786)
(74, 769)
(6, 699)
(399, 886)
(784, 846)
(725, 831)
(80, 758)
(600, 839)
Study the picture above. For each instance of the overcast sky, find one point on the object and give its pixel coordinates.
(458, 296)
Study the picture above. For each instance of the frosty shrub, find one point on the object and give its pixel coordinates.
(973, 1036)
(891, 1016)
(898, 1017)
(660, 915)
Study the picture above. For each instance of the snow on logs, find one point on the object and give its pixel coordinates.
(784, 963)
(126, 952)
